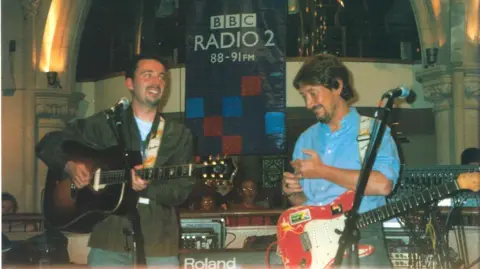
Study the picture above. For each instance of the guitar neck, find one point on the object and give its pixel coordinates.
(149, 174)
(401, 206)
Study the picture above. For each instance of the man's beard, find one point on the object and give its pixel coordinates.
(152, 103)
(327, 117)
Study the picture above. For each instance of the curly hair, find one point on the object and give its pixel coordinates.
(325, 70)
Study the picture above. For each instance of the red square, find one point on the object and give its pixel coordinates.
(251, 85)
(212, 126)
(232, 145)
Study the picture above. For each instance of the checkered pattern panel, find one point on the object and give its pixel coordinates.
(236, 106)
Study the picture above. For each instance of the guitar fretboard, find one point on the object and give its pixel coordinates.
(400, 206)
(149, 174)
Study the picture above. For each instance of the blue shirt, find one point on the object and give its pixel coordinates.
(144, 128)
(340, 149)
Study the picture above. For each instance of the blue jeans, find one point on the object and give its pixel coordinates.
(104, 258)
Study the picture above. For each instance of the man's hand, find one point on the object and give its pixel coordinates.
(138, 184)
(291, 184)
(309, 168)
(79, 173)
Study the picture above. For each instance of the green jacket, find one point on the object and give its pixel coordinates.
(159, 219)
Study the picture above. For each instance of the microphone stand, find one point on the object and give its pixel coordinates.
(138, 252)
(350, 236)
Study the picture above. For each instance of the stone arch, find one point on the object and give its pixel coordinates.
(70, 19)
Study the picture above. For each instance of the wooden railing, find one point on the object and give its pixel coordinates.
(23, 222)
(37, 220)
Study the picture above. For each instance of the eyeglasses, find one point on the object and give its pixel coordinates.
(248, 189)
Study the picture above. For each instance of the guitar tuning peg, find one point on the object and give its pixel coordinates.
(204, 175)
(209, 157)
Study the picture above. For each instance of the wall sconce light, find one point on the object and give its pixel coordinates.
(52, 79)
(431, 56)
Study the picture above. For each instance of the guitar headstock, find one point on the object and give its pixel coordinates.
(219, 171)
(469, 181)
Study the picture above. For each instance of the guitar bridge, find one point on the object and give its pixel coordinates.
(306, 244)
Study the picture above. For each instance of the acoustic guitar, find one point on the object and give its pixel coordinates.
(77, 210)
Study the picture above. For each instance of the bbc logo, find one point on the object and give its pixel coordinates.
(233, 21)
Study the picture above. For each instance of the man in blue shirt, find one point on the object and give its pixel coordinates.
(326, 157)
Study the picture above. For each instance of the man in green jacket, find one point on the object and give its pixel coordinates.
(145, 79)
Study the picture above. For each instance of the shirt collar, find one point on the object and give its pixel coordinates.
(346, 123)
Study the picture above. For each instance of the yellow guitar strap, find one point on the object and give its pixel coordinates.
(153, 145)
(363, 137)
(151, 151)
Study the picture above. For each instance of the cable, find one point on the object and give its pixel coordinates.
(267, 253)
(456, 204)
(229, 243)
(430, 230)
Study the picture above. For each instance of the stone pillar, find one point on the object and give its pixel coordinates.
(437, 86)
(30, 9)
(472, 105)
(65, 46)
(455, 94)
(452, 83)
(458, 108)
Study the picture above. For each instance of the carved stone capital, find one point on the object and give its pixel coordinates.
(438, 93)
(30, 8)
(432, 75)
(470, 70)
(59, 105)
(472, 89)
(472, 81)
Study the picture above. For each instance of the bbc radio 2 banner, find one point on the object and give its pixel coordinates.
(235, 95)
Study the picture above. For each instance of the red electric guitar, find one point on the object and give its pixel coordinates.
(306, 234)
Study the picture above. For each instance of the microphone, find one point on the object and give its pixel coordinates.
(401, 92)
(120, 105)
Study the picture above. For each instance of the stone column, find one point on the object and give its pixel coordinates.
(437, 86)
(458, 108)
(472, 105)
(455, 94)
(30, 9)
(452, 83)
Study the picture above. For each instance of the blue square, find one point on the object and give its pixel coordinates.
(232, 106)
(274, 123)
(194, 108)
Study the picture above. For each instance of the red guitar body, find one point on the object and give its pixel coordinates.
(306, 234)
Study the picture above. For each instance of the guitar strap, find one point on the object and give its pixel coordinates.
(363, 137)
(152, 144)
(150, 148)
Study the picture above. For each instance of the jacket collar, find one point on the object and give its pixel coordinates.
(168, 142)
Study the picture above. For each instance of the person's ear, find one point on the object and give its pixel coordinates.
(129, 83)
(337, 86)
